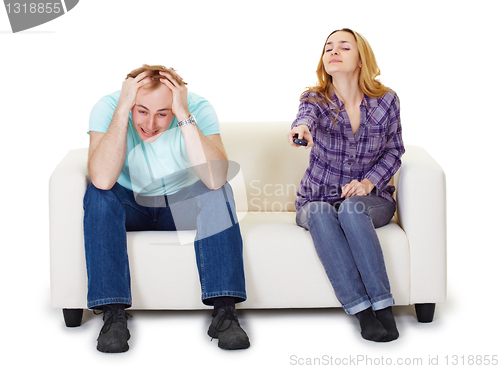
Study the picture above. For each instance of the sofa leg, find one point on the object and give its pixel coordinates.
(425, 312)
(73, 317)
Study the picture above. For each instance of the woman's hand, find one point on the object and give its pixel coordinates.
(180, 94)
(303, 133)
(356, 188)
(129, 90)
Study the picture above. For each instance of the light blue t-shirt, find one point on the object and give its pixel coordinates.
(161, 167)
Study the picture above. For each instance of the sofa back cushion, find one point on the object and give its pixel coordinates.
(270, 169)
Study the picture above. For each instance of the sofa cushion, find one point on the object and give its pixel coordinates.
(164, 275)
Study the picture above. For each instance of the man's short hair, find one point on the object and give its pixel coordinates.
(154, 72)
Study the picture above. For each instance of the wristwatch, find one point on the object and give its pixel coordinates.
(185, 122)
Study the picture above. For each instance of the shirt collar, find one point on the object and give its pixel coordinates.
(370, 102)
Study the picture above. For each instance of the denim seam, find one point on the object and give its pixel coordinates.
(381, 298)
(200, 255)
(368, 208)
(127, 263)
(375, 206)
(224, 293)
(383, 303)
(110, 300)
(356, 306)
(135, 208)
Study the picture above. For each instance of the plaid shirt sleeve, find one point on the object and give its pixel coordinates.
(307, 114)
(389, 161)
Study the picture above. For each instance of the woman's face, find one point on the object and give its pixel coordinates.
(341, 54)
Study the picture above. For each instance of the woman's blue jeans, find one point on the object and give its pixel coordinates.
(346, 242)
(109, 214)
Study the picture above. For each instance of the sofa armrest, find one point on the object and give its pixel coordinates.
(67, 186)
(421, 209)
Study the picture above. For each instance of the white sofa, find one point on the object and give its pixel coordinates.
(281, 266)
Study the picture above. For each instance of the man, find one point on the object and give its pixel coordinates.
(156, 162)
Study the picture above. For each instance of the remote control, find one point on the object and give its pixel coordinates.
(299, 142)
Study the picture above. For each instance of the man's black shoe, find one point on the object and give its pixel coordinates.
(226, 327)
(114, 333)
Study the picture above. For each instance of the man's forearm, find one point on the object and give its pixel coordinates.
(208, 160)
(107, 152)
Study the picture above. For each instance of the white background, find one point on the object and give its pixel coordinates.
(252, 60)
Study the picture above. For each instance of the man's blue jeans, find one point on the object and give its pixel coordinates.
(346, 242)
(109, 214)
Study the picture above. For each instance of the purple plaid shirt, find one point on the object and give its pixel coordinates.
(338, 157)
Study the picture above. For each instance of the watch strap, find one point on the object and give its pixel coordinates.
(185, 122)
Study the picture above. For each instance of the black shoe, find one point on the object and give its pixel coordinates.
(226, 327)
(114, 333)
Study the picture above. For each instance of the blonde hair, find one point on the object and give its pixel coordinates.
(154, 73)
(368, 83)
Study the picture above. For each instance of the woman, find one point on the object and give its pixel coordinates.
(351, 123)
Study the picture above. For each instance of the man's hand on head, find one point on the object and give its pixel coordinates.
(179, 91)
(129, 90)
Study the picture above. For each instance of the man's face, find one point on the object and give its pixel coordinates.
(152, 112)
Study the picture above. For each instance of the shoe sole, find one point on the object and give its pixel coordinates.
(114, 348)
(241, 346)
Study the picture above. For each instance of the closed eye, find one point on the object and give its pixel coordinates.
(345, 46)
